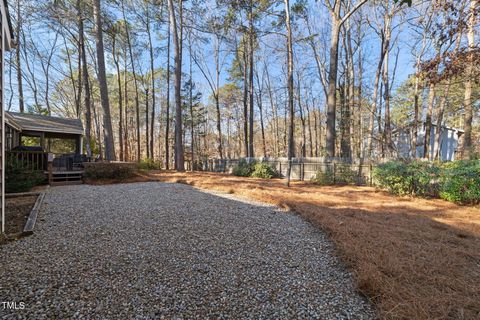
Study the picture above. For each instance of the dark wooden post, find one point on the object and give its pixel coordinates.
(42, 141)
(78, 145)
(50, 168)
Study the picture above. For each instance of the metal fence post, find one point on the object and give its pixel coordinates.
(370, 174)
(334, 178)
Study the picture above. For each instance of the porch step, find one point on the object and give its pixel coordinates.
(63, 178)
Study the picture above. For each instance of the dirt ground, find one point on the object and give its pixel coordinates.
(414, 258)
(17, 211)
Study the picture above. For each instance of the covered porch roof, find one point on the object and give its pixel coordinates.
(43, 127)
(34, 123)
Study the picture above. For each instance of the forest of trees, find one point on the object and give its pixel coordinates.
(170, 80)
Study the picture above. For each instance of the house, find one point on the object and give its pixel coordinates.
(6, 43)
(449, 142)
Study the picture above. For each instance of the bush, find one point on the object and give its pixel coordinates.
(243, 169)
(345, 175)
(255, 169)
(110, 170)
(324, 178)
(149, 164)
(264, 170)
(18, 178)
(415, 178)
(460, 182)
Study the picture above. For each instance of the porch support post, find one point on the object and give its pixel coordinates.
(79, 145)
(42, 141)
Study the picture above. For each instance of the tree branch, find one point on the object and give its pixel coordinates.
(352, 11)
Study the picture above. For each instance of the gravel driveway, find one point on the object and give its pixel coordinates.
(155, 250)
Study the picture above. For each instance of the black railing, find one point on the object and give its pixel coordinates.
(28, 160)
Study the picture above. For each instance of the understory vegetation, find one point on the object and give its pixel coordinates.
(457, 181)
(115, 170)
(255, 169)
(149, 164)
(18, 178)
(337, 175)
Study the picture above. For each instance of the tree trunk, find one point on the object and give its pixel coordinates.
(332, 81)
(102, 79)
(344, 120)
(120, 98)
(360, 141)
(309, 121)
(76, 95)
(439, 122)
(351, 94)
(260, 109)
(302, 120)
(373, 111)
(125, 84)
(21, 103)
(245, 102)
(315, 127)
(152, 71)
(190, 98)
(466, 147)
(428, 121)
(251, 86)
(179, 155)
(167, 113)
(336, 24)
(290, 83)
(217, 99)
(147, 131)
(275, 123)
(135, 82)
(86, 83)
(387, 132)
(414, 138)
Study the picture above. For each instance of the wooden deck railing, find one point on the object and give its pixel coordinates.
(29, 160)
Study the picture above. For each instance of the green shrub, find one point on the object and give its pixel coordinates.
(264, 170)
(255, 169)
(324, 178)
(110, 170)
(460, 182)
(18, 178)
(149, 164)
(243, 169)
(345, 175)
(415, 178)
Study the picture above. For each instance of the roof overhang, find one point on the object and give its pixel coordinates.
(10, 122)
(46, 124)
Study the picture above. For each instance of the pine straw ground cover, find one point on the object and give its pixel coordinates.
(414, 258)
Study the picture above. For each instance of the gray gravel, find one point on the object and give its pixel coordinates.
(154, 250)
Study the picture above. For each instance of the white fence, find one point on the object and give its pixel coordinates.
(302, 168)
